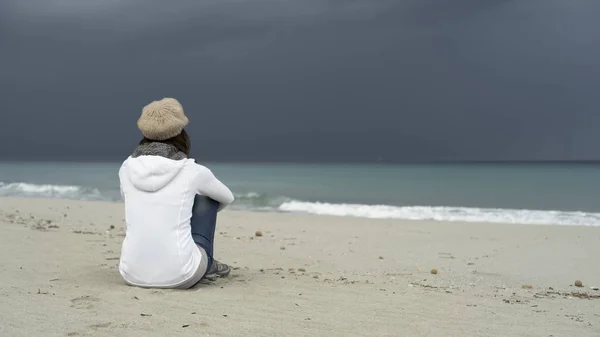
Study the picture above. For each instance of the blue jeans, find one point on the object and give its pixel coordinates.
(204, 222)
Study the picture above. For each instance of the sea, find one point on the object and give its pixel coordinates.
(535, 193)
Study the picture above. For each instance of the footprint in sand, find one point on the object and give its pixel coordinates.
(93, 327)
(100, 325)
(84, 302)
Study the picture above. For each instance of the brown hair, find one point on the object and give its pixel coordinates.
(181, 142)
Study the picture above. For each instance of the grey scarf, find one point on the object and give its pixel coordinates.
(158, 149)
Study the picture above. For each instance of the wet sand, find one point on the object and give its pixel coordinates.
(305, 276)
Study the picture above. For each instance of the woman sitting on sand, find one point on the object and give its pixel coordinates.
(171, 206)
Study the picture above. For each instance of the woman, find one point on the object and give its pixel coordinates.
(171, 205)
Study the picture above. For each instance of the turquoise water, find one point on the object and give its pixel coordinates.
(522, 193)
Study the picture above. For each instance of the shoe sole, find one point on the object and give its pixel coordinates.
(215, 276)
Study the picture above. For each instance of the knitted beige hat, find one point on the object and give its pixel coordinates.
(162, 119)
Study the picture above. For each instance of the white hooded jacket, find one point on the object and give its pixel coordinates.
(158, 249)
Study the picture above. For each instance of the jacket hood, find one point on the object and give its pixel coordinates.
(152, 173)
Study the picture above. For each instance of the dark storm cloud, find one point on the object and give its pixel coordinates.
(304, 80)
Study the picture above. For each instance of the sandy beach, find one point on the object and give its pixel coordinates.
(305, 276)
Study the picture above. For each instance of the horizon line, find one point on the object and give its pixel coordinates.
(382, 162)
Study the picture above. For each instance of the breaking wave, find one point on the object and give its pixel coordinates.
(50, 191)
(463, 214)
(253, 201)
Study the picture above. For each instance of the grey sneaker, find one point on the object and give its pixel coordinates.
(217, 270)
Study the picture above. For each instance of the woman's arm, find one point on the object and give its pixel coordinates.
(207, 184)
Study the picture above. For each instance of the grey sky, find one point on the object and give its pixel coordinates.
(304, 79)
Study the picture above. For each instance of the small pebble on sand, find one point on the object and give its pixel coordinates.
(527, 286)
(258, 233)
(434, 271)
(282, 247)
(578, 283)
(381, 257)
(301, 270)
(112, 227)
